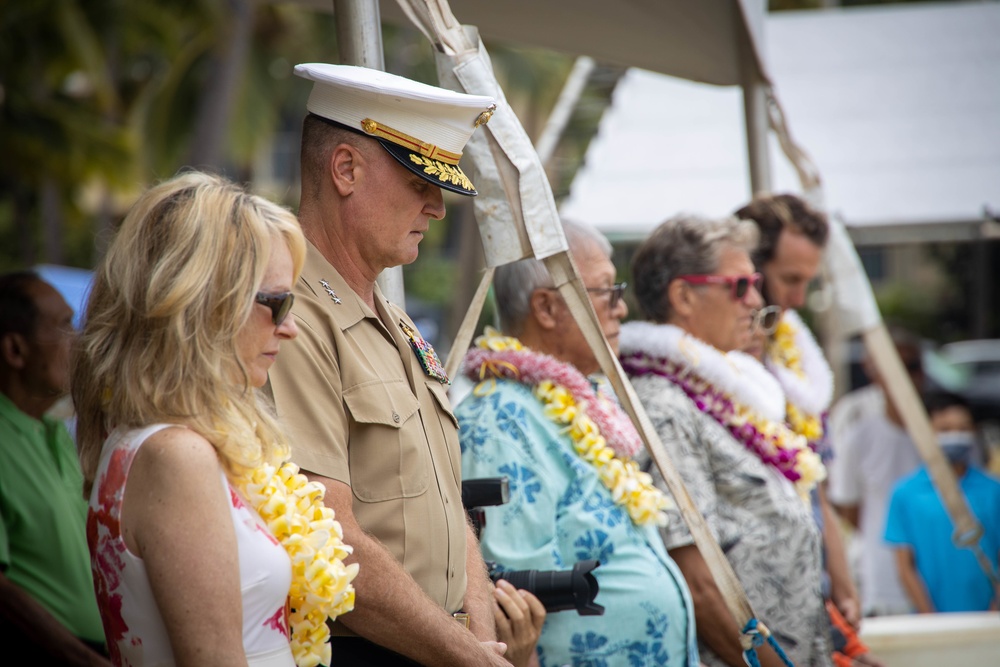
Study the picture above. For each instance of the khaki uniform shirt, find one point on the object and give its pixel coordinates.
(358, 408)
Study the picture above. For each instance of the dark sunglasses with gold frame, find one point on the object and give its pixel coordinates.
(615, 293)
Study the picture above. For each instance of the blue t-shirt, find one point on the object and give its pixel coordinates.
(917, 519)
(560, 513)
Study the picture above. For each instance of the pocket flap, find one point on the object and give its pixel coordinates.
(385, 403)
(441, 395)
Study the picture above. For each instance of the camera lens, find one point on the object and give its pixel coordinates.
(560, 590)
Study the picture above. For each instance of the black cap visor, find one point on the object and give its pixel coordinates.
(444, 175)
(441, 174)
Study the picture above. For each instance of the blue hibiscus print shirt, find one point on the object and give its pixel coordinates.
(560, 513)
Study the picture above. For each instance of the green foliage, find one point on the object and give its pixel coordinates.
(98, 98)
(70, 79)
(433, 280)
(910, 309)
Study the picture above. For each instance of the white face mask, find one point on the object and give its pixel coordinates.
(957, 445)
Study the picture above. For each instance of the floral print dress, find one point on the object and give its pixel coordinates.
(133, 626)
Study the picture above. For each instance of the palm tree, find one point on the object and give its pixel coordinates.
(100, 97)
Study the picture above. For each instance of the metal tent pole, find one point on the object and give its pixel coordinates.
(756, 119)
(359, 38)
(563, 110)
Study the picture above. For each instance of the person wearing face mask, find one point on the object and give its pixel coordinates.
(937, 575)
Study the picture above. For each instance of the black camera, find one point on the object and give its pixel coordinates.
(557, 590)
(485, 492)
(480, 493)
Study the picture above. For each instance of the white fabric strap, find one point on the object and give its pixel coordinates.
(518, 218)
(572, 289)
(464, 336)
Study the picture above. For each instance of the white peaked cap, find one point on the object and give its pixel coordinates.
(424, 127)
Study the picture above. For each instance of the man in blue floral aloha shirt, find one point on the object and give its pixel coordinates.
(529, 418)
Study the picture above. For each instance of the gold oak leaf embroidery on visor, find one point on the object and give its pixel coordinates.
(443, 172)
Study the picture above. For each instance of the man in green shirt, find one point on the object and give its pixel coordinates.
(48, 610)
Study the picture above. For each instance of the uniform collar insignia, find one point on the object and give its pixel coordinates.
(329, 290)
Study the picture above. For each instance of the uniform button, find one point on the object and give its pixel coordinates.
(395, 416)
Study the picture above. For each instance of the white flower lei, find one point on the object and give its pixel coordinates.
(734, 373)
(734, 389)
(810, 387)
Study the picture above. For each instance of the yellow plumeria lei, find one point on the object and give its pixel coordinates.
(806, 425)
(293, 509)
(784, 352)
(783, 349)
(630, 487)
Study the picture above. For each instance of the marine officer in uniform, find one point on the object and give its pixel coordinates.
(362, 394)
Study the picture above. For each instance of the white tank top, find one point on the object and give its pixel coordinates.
(133, 626)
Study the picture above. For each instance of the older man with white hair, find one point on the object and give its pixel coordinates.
(566, 448)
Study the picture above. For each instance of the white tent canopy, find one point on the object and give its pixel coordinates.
(700, 41)
(898, 106)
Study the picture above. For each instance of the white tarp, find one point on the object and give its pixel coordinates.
(898, 106)
(701, 40)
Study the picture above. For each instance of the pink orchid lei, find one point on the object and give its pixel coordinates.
(771, 441)
(601, 433)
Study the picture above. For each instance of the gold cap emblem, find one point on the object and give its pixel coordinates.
(485, 116)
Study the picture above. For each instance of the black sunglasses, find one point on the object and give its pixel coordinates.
(616, 291)
(279, 305)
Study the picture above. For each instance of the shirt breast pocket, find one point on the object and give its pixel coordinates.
(387, 454)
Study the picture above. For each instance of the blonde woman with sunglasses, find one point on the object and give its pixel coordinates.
(186, 315)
